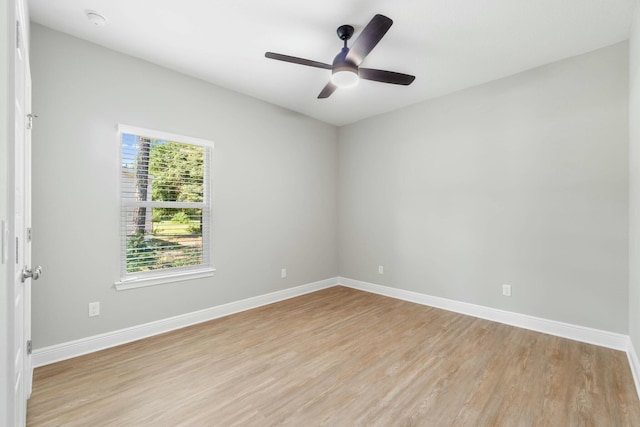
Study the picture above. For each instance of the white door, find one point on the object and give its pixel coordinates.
(21, 210)
(35, 273)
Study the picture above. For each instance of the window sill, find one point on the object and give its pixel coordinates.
(134, 283)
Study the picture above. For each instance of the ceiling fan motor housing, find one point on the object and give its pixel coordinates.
(344, 73)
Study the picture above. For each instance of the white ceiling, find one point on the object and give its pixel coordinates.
(447, 44)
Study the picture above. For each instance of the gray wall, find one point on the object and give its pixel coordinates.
(634, 182)
(522, 181)
(274, 189)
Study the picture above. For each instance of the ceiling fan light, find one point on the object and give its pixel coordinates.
(344, 78)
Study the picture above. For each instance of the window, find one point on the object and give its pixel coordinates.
(165, 207)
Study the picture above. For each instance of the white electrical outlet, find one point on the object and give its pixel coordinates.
(380, 269)
(283, 273)
(506, 290)
(94, 309)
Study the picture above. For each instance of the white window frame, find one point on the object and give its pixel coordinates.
(157, 277)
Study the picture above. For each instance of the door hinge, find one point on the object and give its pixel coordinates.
(29, 347)
(29, 234)
(30, 118)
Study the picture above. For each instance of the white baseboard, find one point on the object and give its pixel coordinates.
(634, 362)
(68, 350)
(551, 327)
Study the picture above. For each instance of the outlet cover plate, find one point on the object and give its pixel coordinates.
(506, 290)
(94, 309)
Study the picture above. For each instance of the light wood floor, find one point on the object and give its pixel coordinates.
(341, 357)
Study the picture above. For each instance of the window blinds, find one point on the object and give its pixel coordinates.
(165, 206)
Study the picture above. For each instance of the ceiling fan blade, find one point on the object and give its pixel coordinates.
(369, 38)
(327, 91)
(296, 60)
(385, 76)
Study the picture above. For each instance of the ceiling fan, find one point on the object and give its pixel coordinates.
(346, 70)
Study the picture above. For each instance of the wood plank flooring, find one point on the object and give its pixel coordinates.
(341, 357)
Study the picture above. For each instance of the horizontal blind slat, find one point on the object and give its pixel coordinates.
(150, 204)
